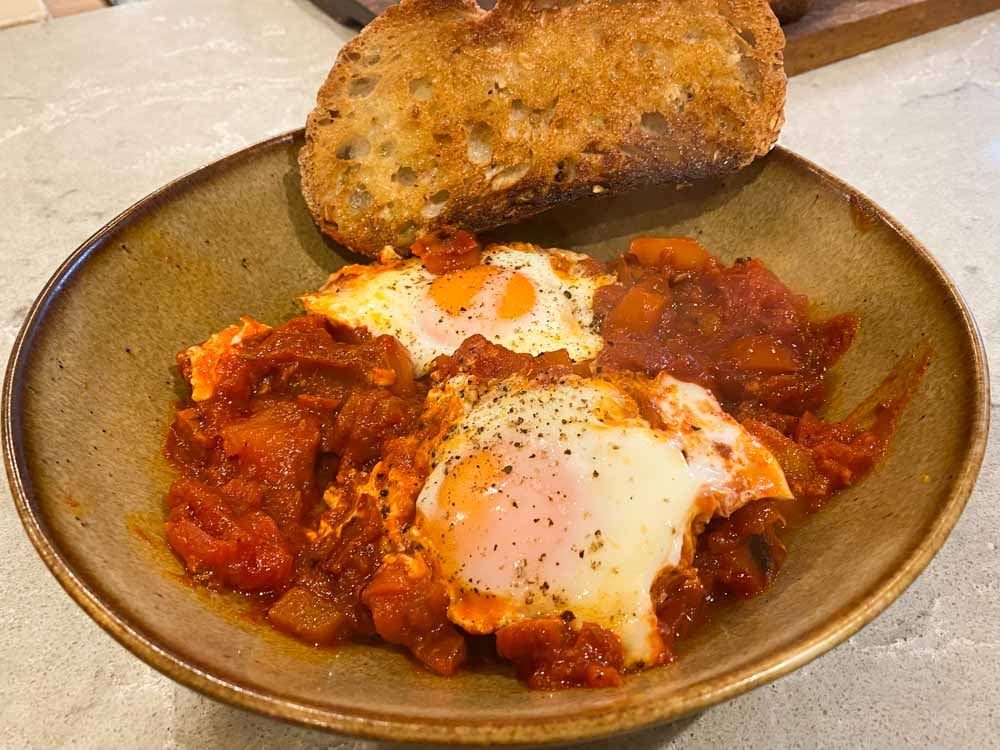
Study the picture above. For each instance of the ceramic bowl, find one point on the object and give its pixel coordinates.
(89, 389)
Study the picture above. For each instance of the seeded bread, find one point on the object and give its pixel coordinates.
(441, 113)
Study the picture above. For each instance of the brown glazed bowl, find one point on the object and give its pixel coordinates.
(90, 384)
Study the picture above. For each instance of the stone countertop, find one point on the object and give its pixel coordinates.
(88, 127)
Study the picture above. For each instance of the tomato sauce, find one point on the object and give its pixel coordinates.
(295, 409)
(274, 496)
(736, 330)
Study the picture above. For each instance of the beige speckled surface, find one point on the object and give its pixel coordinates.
(82, 135)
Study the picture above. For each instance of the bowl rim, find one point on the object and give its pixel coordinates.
(381, 726)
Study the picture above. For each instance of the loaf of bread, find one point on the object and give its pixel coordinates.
(441, 113)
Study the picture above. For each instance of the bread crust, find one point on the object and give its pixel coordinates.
(439, 113)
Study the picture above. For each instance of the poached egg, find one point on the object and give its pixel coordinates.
(552, 497)
(521, 296)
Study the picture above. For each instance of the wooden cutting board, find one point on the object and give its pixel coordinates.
(831, 31)
(836, 29)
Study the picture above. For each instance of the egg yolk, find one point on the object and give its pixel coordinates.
(518, 297)
(469, 483)
(455, 292)
(507, 519)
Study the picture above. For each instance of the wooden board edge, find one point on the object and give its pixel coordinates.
(808, 48)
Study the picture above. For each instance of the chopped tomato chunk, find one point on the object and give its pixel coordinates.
(681, 602)
(552, 653)
(276, 445)
(479, 356)
(680, 253)
(447, 250)
(215, 536)
(740, 555)
(763, 353)
(638, 311)
(311, 617)
(410, 608)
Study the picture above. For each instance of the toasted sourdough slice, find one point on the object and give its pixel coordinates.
(441, 113)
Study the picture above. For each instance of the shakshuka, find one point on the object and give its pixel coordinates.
(569, 461)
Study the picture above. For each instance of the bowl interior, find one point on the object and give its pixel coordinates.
(94, 378)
